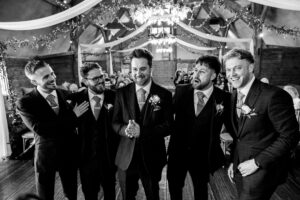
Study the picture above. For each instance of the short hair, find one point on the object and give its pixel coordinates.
(33, 65)
(211, 62)
(292, 91)
(142, 53)
(239, 53)
(88, 66)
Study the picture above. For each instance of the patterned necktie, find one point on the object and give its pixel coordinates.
(239, 103)
(200, 103)
(141, 97)
(53, 103)
(97, 106)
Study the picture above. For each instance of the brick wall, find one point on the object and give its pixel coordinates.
(280, 65)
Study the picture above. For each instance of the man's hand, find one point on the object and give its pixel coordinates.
(132, 130)
(230, 172)
(247, 167)
(81, 108)
(136, 132)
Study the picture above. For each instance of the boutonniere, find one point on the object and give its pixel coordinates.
(69, 102)
(108, 106)
(247, 111)
(154, 100)
(219, 108)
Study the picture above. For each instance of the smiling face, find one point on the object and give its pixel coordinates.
(202, 77)
(95, 81)
(141, 71)
(239, 72)
(44, 78)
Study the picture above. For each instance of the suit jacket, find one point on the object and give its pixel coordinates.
(96, 137)
(183, 102)
(55, 136)
(269, 131)
(155, 123)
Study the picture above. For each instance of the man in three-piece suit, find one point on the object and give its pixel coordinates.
(265, 127)
(200, 111)
(97, 141)
(143, 117)
(46, 113)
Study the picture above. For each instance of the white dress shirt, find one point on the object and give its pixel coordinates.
(92, 102)
(207, 94)
(146, 88)
(245, 90)
(45, 95)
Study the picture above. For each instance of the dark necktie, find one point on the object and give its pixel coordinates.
(200, 103)
(239, 103)
(141, 97)
(52, 102)
(97, 106)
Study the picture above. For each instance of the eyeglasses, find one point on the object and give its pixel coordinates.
(95, 79)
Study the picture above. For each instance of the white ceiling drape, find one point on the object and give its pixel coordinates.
(282, 4)
(50, 20)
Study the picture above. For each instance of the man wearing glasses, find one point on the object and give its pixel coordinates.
(96, 141)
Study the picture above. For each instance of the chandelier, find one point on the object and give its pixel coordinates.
(164, 12)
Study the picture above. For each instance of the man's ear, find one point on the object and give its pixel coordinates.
(251, 68)
(213, 76)
(33, 82)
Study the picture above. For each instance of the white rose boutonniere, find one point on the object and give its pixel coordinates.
(108, 106)
(154, 100)
(69, 101)
(247, 111)
(219, 108)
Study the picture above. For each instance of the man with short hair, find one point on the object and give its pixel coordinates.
(266, 130)
(97, 141)
(47, 114)
(143, 117)
(200, 110)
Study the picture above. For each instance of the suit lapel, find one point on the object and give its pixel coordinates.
(250, 101)
(44, 103)
(190, 101)
(147, 108)
(131, 101)
(233, 115)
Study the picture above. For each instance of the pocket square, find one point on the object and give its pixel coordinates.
(156, 108)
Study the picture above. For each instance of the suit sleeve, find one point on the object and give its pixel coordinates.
(282, 116)
(117, 121)
(49, 127)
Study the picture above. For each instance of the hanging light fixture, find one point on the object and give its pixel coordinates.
(164, 12)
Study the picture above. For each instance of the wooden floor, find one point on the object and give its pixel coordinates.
(17, 177)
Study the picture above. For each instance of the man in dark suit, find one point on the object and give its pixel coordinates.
(97, 141)
(265, 127)
(46, 113)
(200, 110)
(143, 117)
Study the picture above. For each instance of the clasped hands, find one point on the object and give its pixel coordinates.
(133, 129)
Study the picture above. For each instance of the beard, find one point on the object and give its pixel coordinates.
(141, 79)
(198, 85)
(98, 89)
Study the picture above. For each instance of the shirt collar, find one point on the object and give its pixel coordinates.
(206, 92)
(245, 90)
(146, 88)
(92, 94)
(44, 94)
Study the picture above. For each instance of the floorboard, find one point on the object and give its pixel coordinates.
(17, 177)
